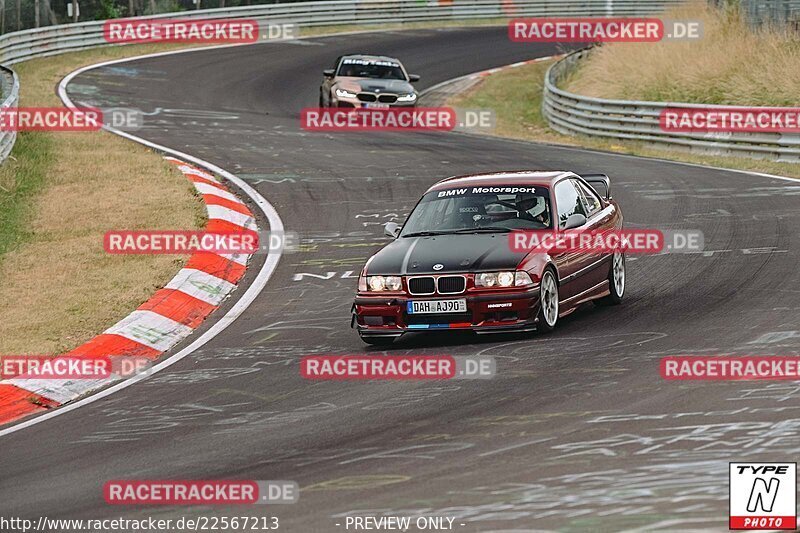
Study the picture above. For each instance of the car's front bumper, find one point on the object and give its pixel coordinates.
(377, 315)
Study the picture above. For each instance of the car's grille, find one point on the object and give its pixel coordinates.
(423, 285)
(451, 284)
(366, 97)
(387, 98)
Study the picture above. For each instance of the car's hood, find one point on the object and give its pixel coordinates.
(380, 86)
(456, 253)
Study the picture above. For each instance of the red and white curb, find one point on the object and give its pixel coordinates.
(167, 318)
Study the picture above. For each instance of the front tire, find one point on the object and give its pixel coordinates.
(616, 280)
(548, 303)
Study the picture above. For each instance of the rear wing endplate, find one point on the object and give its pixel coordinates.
(600, 183)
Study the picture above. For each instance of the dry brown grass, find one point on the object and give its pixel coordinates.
(516, 97)
(731, 64)
(59, 287)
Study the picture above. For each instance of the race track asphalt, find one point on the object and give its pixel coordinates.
(577, 432)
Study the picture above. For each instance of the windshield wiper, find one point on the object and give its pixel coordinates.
(484, 229)
(426, 233)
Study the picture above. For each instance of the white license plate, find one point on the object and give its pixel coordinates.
(376, 106)
(419, 307)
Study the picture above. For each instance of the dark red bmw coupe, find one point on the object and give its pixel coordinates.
(450, 266)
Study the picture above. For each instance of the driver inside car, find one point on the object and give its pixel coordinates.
(471, 210)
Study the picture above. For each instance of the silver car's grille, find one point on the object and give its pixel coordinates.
(383, 98)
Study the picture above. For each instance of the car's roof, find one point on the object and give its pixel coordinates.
(520, 177)
(370, 57)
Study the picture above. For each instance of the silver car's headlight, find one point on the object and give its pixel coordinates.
(503, 279)
(342, 93)
(407, 97)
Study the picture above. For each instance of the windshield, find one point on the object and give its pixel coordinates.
(364, 68)
(499, 208)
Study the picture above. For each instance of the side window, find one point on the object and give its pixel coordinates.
(568, 201)
(593, 204)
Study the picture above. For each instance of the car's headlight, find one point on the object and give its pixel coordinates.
(522, 279)
(486, 279)
(410, 97)
(503, 279)
(345, 94)
(393, 283)
(384, 283)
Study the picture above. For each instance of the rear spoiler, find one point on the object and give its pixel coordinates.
(600, 183)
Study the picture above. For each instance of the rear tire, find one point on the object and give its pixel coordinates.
(548, 303)
(377, 341)
(616, 280)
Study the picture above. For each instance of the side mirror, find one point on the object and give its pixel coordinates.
(391, 229)
(328, 72)
(413, 77)
(575, 221)
(600, 183)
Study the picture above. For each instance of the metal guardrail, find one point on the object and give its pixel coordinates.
(775, 12)
(22, 45)
(10, 87)
(28, 44)
(573, 114)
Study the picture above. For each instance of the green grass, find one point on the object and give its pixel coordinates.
(515, 95)
(21, 178)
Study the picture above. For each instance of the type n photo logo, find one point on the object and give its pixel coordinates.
(763, 496)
